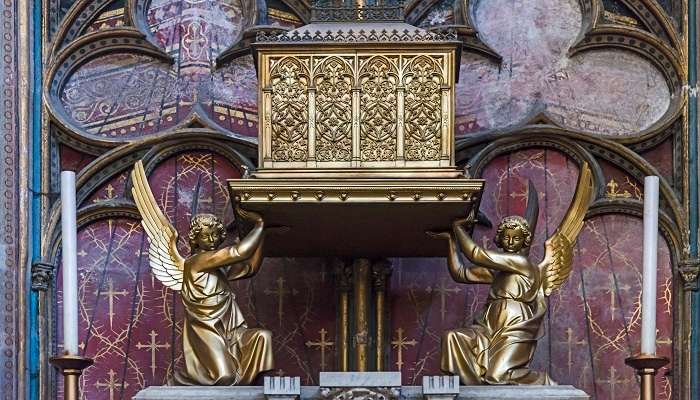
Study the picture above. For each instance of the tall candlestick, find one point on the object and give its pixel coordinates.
(69, 233)
(651, 228)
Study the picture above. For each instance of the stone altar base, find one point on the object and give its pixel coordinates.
(407, 392)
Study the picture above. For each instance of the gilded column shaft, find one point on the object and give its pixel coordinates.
(343, 334)
(356, 126)
(311, 161)
(266, 148)
(445, 125)
(381, 271)
(343, 277)
(361, 277)
(400, 124)
(381, 330)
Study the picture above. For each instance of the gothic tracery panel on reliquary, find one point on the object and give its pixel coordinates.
(316, 92)
(379, 81)
(596, 94)
(334, 80)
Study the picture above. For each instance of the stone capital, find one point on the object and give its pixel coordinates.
(689, 269)
(42, 274)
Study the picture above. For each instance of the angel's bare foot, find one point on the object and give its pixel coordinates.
(438, 235)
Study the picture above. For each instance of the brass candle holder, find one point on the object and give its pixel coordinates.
(71, 366)
(647, 365)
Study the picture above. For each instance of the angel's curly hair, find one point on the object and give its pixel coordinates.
(514, 222)
(204, 220)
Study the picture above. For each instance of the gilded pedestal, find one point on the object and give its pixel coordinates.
(71, 367)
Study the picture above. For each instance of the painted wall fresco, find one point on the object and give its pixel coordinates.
(130, 95)
(593, 320)
(112, 17)
(107, 97)
(603, 92)
(441, 13)
(535, 73)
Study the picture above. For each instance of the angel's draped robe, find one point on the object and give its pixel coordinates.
(219, 348)
(498, 346)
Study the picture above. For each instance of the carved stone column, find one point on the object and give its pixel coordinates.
(42, 277)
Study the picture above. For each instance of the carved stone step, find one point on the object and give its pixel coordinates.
(561, 392)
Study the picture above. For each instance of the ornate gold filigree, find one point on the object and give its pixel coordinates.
(333, 79)
(289, 81)
(358, 108)
(422, 108)
(378, 105)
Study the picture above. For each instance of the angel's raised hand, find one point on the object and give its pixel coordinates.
(438, 235)
(248, 215)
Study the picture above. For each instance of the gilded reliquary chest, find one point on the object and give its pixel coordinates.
(356, 140)
(357, 104)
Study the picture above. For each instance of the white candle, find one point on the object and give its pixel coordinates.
(651, 228)
(69, 233)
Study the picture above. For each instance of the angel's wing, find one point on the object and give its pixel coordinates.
(166, 262)
(559, 248)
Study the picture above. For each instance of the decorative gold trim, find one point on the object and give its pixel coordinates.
(256, 191)
(357, 173)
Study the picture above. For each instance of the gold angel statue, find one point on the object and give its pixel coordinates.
(218, 347)
(498, 347)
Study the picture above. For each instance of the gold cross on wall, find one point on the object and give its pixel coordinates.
(664, 340)
(111, 294)
(443, 291)
(110, 384)
(321, 344)
(400, 343)
(153, 348)
(280, 292)
(612, 381)
(570, 343)
(612, 291)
